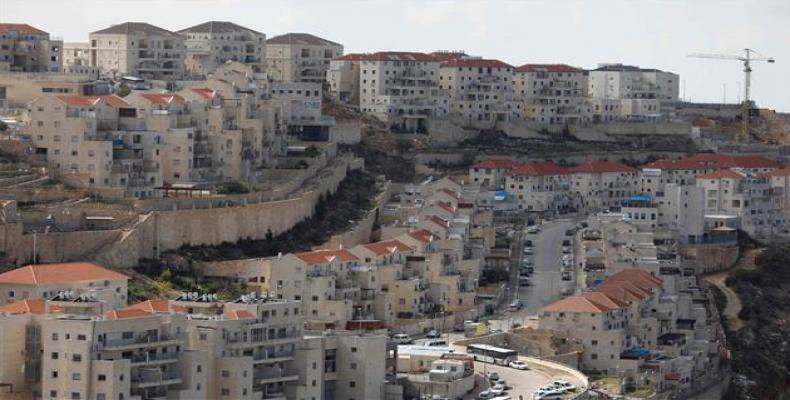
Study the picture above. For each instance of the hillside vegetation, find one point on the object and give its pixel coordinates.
(760, 349)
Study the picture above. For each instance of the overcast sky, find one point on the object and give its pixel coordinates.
(658, 34)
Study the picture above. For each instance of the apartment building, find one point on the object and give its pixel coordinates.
(24, 48)
(300, 57)
(552, 94)
(76, 54)
(123, 354)
(213, 43)
(138, 49)
(741, 194)
(602, 184)
(301, 105)
(341, 365)
(47, 280)
(638, 92)
(491, 173)
(480, 90)
(96, 142)
(400, 88)
(542, 187)
(18, 90)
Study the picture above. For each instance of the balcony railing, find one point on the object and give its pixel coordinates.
(141, 341)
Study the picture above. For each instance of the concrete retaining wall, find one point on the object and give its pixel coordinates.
(711, 257)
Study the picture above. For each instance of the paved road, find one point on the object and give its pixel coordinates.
(547, 258)
(522, 383)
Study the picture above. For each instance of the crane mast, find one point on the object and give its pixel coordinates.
(746, 105)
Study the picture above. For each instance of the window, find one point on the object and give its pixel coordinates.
(81, 337)
(54, 374)
(54, 355)
(225, 373)
(53, 393)
(101, 396)
(76, 376)
(76, 357)
(225, 392)
(102, 378)
(352, 384)
(54, 336)
(353, 349)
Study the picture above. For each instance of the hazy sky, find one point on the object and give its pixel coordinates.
(656, 34)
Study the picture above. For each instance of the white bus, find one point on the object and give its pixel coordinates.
(492, 354)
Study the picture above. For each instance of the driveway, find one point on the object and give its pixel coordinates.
(523, 383)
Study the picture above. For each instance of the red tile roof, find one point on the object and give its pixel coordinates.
(639, 277)
(475, 63)
(581, 304)
(445, 206)
(164, 99)
(21, 28)
(539, 169)
(59, 273)
(238, 314)
(31, 306)
(601, 166)
(684, 164)
(157, 306)
(125, 313)
(623, 291)
(326, 256)
(448, 55)
(547, 68)
(389, 56)
(89, 101)
(439, 221)
(725, 161)
(387, 247)
(205, 92)
(496, 164)
(721, 174)
(451, 193)
(779, 172)
(422, 235)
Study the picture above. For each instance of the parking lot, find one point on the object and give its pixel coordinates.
(523, 383)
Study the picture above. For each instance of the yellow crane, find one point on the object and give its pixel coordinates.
(746, 105)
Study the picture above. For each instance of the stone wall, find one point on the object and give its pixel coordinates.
(362, 230)
(169, 229)
(711, 257)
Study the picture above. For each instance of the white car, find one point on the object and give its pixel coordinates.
(566, 250)
(518, 364)
(528, 250)
(533, 229)
(543, 395)
(498, 390)
(402, 338)
(493, 376)
(485, 394)
(564, 385)
(567, 257)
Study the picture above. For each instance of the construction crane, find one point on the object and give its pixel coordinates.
(746, 105)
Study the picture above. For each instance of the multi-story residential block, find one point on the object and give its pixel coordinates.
(542, 187)
(552, 94)
(603, 184)
(138, 49)
(618, 81)
(742, 194)
(47, 280)
(491, 173)
(76, 54)
(123, 354)
(480, 90)
(638, 92)
(211, 44)
(18, 90)
(96, 142)
(400, 88)
(301, 105)
(300, 57)
(24, 48)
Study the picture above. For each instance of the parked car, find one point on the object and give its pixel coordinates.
(527, 243)
(402, 338)
(566, 242)
(515, 305)
(433, 333)
(503, 383)
(528, 250)
(436, 343)
(493, 376)
(564, 385)
(566, 250)
(485, 394)
(498, 390)
(566, 275)
(524, 281)
(569, 232)
(533, 229)
(518, 364)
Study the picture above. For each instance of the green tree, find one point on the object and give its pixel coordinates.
(124, 90)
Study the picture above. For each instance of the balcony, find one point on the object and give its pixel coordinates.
(274, 375)
(140, 341)
(157, 359)
(272, 357)
(147, 378)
